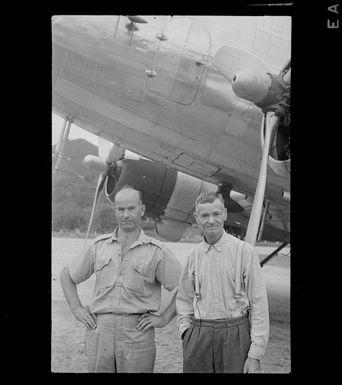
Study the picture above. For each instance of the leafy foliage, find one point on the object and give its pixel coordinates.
(73, 194)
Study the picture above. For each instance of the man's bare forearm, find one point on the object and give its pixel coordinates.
(81, 313)
(70, 289)
(169, 313)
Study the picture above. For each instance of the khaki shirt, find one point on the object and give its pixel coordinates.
(131, 284)
(216, 273)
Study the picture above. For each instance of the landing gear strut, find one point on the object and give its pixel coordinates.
(60, 147)
(263, 219)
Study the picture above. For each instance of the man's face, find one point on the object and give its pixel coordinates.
(128, 209)
(211, 217)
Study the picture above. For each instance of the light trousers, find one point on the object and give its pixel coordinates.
(116, 346)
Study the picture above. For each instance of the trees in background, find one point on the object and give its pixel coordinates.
(72, 196)
(72, 200)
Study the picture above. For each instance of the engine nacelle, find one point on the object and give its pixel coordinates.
(170, 229)
(155, 181)
(178, 214)
(169, 195)
(281, 168)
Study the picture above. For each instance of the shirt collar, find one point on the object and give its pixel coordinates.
(217, 245)
(114, 235)
(142, 238)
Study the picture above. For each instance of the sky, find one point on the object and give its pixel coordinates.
(75, 131)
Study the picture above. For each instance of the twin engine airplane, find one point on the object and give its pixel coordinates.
(204, 101)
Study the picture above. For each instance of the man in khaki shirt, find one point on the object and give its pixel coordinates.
(221, 300)
(130, 268)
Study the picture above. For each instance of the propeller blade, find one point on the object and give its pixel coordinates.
(136, 19)
(109, 152)
(99, 187)
(271, 123)
(107, 162)
(104, 147)
(115, 154)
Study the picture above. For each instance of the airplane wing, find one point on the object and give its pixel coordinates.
(164, 89)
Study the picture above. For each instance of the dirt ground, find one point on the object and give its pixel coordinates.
(67, 334)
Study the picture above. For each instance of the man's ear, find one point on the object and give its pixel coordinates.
(225, 214)
(196, 217)
(143, 208)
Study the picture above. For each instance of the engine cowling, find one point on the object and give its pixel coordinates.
(169, 195)
(251, 84)
(261, 88)
(280, 156)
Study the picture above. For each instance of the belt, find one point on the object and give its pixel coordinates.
(220, 322)
(123, 314)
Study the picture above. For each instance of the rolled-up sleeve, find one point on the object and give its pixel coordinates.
(82, 266)
(259, 313)
(185, 297)
(168, 269)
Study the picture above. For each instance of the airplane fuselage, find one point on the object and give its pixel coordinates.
(153, 89)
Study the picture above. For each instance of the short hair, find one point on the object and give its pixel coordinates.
(129, 187)
(208, 197)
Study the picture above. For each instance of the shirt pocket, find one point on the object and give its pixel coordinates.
(137, 276)
(105, 276)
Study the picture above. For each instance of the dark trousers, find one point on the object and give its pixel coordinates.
(216, 346)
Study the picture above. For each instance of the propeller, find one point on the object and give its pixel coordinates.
(275, 106)
(107, 163)
(270, 92)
